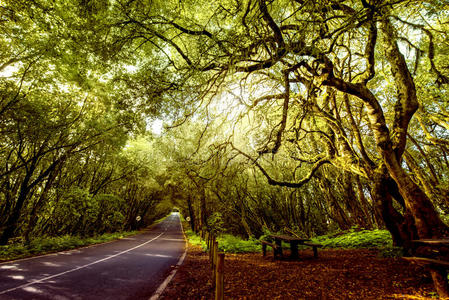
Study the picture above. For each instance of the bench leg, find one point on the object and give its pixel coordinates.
(439, 278)
(264, 249)
(315, 251)
(294, 250)
(278, 251)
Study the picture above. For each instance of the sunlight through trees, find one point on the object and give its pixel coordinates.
(251, 116)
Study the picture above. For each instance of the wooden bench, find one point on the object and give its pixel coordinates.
(314, 246)
(438, 271)
(276, 250)
(434, 255)
(429, 262)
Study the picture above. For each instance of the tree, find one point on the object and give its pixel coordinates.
(315, 64)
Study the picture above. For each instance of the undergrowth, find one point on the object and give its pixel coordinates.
(354, 239)
(226, 243)
(233, 244)
(53, 244)
(351, 239)
(44, 245)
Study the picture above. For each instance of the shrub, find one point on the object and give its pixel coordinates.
(195, 239)
(233, 244)
(377, 239)
(44, 245)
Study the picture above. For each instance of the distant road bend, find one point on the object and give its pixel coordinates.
(130, 268)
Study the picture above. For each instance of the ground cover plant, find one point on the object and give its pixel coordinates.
(19, 248)
(351, 239)
(45, 245)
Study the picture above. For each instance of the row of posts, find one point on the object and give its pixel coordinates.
(217, 264)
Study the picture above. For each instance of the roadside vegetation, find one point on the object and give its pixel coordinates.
(19, 248)
(351, 239)
(44, 245)
(314, 116)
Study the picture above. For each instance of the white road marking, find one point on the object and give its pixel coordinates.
(77, 268)
(167, 280)
(64, 252)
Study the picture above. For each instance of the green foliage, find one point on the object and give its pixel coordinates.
(215, 223)
(44, 245)
(377, 239)
(195, 239)
(85, 77)
(265, 235)
(111, 217)
(226, 243)
(233, 244)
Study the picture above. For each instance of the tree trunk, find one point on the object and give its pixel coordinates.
(353, 206)
(400, 226)
(191, 213)
(11, 222)
(243, 218)
(203, 210)
(368, 210)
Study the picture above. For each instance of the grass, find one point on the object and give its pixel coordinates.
(226, 243)
(362, 239)
(46, 245)
(233, 244)
(195, 239)
(352, 239)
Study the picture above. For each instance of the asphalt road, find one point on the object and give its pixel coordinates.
(130, 268)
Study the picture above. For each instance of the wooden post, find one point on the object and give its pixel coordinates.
(215, 252)
(439, 277)
(211, 252)
(209, 247)
(219, 285)
(214, 262)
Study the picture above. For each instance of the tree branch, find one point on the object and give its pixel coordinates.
(272, 181)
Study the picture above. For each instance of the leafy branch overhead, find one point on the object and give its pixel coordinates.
(257, 115)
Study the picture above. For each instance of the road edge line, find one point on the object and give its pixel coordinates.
(172, 274)
(77, 268)
(56, 253)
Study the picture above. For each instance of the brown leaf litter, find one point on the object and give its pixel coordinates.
(335, 274)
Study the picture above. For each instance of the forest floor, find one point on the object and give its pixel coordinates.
(335, 274)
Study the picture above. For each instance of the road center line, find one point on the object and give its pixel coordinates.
(77, 268)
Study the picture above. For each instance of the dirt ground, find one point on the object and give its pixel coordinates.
(335, 274)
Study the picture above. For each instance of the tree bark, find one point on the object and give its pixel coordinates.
(10, 225)
(191, 213)
(398, 225)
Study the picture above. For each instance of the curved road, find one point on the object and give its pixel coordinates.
(130, 268)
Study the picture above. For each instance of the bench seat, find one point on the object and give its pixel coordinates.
(429, 262)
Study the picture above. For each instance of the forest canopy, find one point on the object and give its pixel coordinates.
(307, 116)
